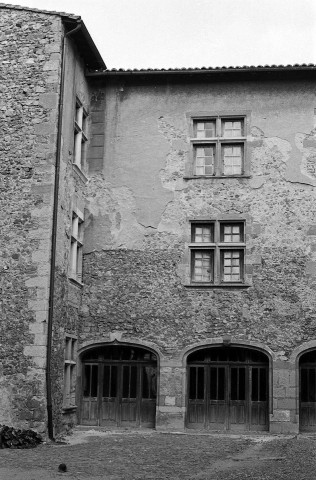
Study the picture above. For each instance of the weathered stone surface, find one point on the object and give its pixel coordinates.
(136, 264)
(30, 104)
(137, 206)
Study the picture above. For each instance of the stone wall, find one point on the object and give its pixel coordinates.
(139, 205)
(67, 294)
(30, 45)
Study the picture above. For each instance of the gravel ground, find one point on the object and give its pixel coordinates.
(155, 456)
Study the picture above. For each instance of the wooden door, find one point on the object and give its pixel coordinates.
(196, 397)
(259, 406)
(227, 390)
(119, 388)
(216, 414)
(307, 391)
(308, 398)
(109, 400)
(89, 408)
(129, 395)
(238, 398)
(148, 394)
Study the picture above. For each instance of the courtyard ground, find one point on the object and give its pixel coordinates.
(148, 455)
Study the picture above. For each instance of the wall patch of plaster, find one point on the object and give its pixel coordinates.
(172, 174)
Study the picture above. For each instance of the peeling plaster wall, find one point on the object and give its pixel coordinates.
(280, 205)
(30, 46)
(139, 201)
(136, 257)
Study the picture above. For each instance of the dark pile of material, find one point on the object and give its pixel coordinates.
(14, 438)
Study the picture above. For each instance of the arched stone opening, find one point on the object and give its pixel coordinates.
(228, 389)
(119, 386)
(307, 391)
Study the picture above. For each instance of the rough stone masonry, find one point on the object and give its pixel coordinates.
(30, 46)
(138, 195)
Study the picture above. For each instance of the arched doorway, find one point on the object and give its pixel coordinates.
(119, 386)
(228, 389)
(307, 391)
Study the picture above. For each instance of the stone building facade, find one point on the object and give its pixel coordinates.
(43, 59)
(159, 240)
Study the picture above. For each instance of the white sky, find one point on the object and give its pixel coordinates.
(195, 33)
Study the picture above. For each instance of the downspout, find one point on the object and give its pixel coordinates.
(50, 427)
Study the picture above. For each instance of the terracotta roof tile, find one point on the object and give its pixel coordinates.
(198, 69)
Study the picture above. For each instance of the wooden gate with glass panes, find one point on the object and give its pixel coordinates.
(307, 397)
(228, 389)
(119, 387)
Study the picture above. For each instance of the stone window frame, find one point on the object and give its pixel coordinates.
(80, 134)
(76, 246)
(217, 142)
(70, 371)
(216, 247)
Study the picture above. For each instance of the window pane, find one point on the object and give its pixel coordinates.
(106, 381)
(304, 385)
(109, 381)
(232, 159)
(79, 115)
(221, 384)
(149, 382)
(204, 160)
(196, 383)
(234, 384)
(192, 393)
(94, 381)
(232, 128)
(113, 385)
(213, 383)
(200, 383)
(238, 383)
(204, 129)
(202, 265)
(263, 384)
(202, 233)
(217, 383)
(311, 385)
(231, 233)
(255, 385)
(86, 380)
(129, 381)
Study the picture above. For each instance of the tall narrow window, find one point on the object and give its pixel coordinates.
(204, 160)
(80, 137)
(202, 259)
(70, 372)
(232, 159)
(231, 265)
(76, 247)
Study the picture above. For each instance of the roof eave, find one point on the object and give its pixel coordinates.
(91, 55)
(202, 71)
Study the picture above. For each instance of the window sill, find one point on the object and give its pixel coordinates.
(75, 281)
(69, 408)
(217, 285)
(80, 173)
(198, 177)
